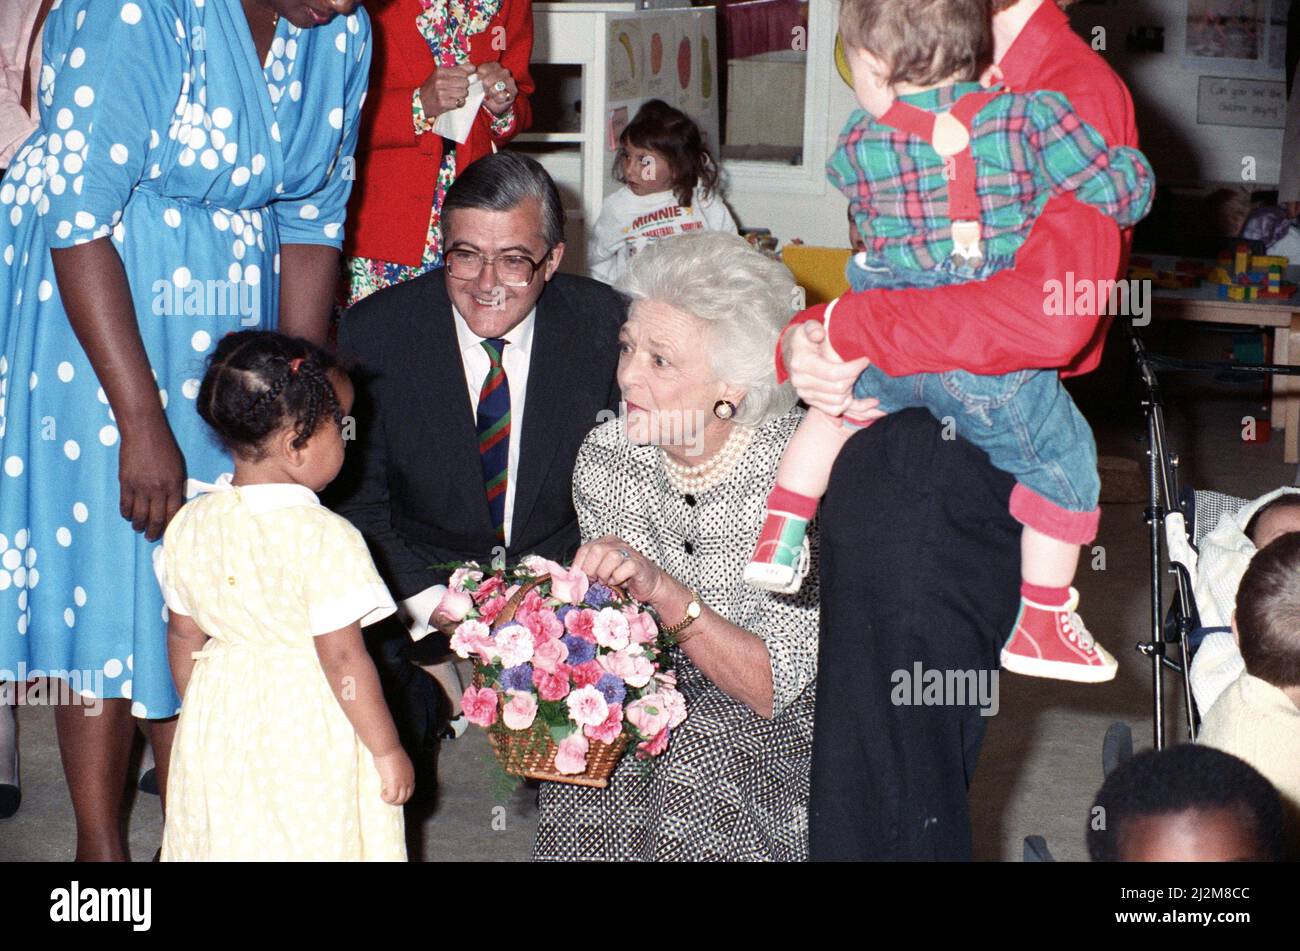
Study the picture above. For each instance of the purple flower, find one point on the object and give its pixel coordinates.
(598, 595)
(561, 611)
(581, 650)
(518, 678)
(611, 688)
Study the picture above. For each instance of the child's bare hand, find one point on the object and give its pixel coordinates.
(396, 777)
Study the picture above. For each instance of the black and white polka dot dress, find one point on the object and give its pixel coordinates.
(732, 786)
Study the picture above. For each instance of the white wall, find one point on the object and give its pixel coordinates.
(1164, 92)
(1164, 89)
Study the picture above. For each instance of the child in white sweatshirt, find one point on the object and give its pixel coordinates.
(670, 188)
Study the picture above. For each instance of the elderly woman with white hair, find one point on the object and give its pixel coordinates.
(670, 500)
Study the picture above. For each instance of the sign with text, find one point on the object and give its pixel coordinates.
(1230, 100)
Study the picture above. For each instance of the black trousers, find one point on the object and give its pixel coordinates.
(920, 562)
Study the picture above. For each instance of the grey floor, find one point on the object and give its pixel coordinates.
(1041, 763)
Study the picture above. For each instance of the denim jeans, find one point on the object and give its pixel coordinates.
(866, 275)
(1025, 421)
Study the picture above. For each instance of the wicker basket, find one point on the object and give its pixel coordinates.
(520, 753)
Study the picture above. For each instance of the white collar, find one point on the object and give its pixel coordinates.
(521, 337)
(260, 498)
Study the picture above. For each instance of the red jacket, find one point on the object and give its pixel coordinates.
(397, 171)
(999, 325)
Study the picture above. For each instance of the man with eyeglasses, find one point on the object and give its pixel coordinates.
(476, 385)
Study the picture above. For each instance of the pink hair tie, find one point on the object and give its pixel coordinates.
(294, 364)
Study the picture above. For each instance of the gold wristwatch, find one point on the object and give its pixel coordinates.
(693, 610)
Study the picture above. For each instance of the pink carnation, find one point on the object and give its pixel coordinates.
(550, 654)
(551, 686)
(581, 623)
(641, 626)
(571, 757)
(649, 715)
(674, 703)
(539, 617)
(635, 670)
(488, 588)
(569, 585)
(461, 575)
(514, 645)
(610, 628)
(490, 609)
(520, 710)
(608, 731)
(479, 705)
(585, 674)
(587, 706)
(537, 565)
(653, 746)
(473, 637)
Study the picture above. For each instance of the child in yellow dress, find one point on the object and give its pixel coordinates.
(285, 749)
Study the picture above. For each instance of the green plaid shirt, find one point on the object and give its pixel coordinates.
(1027, 148)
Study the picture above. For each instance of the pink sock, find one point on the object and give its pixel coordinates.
(1049, 597)
(792, 503)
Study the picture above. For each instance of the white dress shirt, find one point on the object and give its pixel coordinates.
(515, 359)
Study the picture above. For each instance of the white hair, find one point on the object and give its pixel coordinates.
(745, 297)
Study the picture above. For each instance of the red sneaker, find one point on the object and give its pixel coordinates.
(1051, 641)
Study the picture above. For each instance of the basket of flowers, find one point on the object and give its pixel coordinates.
(568, 673)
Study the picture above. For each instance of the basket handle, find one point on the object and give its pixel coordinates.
(508, 612)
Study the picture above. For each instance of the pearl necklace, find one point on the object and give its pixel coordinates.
(692, 480)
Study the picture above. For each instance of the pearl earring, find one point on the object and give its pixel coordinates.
(724, 409)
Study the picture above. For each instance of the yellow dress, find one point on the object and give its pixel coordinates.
(266, 766)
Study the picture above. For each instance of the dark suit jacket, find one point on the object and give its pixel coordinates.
(413, 484)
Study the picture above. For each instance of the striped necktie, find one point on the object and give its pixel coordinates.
(493, 425)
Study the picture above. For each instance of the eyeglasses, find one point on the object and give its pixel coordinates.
(514, 270)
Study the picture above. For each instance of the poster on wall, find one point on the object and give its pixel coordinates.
(625, 59)
(660, 40)
(1226, 29)
(1237, 101)
(685, 70)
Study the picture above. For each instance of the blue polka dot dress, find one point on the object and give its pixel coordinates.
(161, 131)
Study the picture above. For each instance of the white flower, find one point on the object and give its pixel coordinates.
(514, 645)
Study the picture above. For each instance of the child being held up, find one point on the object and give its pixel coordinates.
(945, 179)
(670, 187)
(285, 749)
(1258, 717)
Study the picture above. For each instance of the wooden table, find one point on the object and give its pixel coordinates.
(1202, 305)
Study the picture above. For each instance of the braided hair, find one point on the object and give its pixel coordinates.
(259, 382)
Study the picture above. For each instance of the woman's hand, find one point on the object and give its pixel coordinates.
(446, 89)
(497, 101)
(151, 473)
(612, 561)
(396, 777)
(823, 382)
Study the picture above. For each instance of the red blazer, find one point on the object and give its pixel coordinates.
(397, 171)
